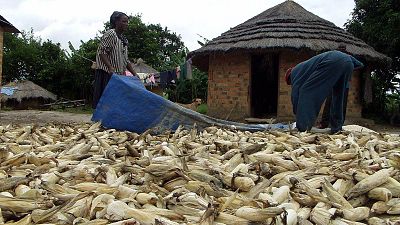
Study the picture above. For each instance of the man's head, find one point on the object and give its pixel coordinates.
(287, 76)
(119, 21)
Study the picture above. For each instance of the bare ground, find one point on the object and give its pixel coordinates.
(43, 117)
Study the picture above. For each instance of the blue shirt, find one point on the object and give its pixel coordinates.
(302, 71)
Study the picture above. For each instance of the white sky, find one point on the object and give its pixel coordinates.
(74, 20)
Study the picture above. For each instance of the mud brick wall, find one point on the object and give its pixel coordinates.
(1, 59)
(228, 86)
(354, 105)
(229, 77)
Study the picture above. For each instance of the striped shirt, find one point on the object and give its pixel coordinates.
(116, 52)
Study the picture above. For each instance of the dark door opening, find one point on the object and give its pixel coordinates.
(264, 85)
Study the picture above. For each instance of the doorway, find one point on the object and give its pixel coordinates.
(264, 85)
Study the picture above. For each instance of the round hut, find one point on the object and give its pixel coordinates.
(246, 65)
(25, 95)
(145, 72)
(5, 26)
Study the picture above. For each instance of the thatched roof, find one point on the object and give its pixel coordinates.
(7, 26)
(141, 67)
(287, 26)
(26, 89)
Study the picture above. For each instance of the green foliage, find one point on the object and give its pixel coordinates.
(69, 75)
(156, 45)
(202, 109)
(28, 57)
(187, 90)
(203, 42)
(378, 24)
(81, 83)
(21, 56)
(87, 109)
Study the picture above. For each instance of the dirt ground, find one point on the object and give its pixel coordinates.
(43, 117)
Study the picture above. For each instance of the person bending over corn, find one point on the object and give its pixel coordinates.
(313, 80)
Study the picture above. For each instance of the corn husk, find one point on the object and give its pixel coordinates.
(356, 214)
(335, 196)
(376, 221)
(255, 214)
(320, 215)
(380, 207)
(85, 174)
(369, 183)
(380, 194)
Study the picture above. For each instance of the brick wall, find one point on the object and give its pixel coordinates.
(354, 105)
(228, 86)
(1, 58)
(229, 80)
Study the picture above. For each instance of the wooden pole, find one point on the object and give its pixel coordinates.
(1, 60)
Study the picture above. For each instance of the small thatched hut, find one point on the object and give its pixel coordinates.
(246, 64)
(25, 95)
(141, 67)
(144, 71)
(5, 26)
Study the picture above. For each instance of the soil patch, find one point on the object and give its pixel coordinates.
(56, 117)
(41, 117)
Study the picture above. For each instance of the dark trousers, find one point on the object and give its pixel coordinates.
(326, 113)
(326, 78)
(101, 79)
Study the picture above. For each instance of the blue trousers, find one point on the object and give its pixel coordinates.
(327, 77)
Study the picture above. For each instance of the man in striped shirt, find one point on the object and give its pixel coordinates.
(112, 55)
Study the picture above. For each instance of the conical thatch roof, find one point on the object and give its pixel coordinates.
(287, 25)
(26, 89)
(7, 26)
(141, 67)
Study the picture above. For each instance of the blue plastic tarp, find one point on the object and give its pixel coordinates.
(127, 105)
(8, 90)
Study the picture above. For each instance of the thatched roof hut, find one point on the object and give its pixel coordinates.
(246, 64)
(285, 26)
(25, 94)
(144, 71)
(141, 67)
(7, 26)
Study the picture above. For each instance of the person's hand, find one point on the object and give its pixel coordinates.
(111, 70)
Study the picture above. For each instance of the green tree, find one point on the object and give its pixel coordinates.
(28, 57)
(378, 24)
(21, 56)
(156, 45)
(82, 75)
(69, 74)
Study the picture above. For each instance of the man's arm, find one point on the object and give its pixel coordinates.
(295, 98)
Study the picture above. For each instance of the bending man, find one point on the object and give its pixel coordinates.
(313, 80)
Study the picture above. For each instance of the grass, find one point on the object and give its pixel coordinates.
(87, 109)
(202, 109)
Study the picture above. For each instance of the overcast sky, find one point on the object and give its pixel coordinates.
(74, 20)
